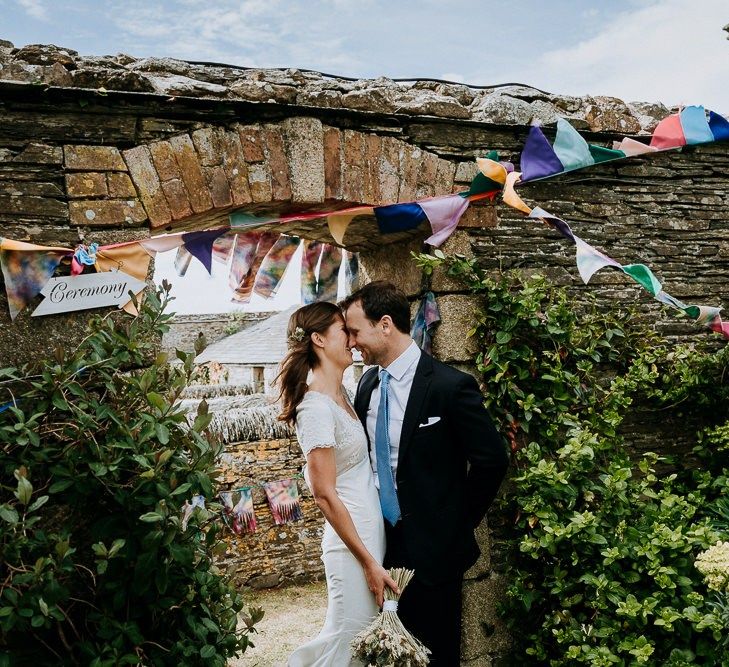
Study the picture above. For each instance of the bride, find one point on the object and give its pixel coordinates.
(340, 477)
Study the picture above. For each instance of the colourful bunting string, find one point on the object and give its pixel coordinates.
(570, 151)
(589, 260)
(242, 255)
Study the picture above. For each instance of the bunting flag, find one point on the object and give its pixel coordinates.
(274, 265)
(183, 257)
(26, 269)
(589, 260)
(242, 255)
(162, 243)
(444, 213)
(189, 507)
(327, 284)
(426, 319)
(241, 517)
(83, 256)
(131, 258)
(244, 513)
(244, 290)
(283, 499)
(200, 245)
(351, 268)
(309, 263)
(223, 247)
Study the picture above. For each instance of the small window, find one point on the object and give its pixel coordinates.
(259, 380)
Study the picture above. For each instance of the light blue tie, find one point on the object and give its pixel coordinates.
(388, 495)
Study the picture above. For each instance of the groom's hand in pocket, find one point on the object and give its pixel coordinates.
(377, 578)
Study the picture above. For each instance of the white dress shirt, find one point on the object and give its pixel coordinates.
(402, 372)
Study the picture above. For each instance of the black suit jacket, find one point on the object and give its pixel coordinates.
(448, 473)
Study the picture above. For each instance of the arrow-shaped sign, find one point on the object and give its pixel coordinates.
(89, 290)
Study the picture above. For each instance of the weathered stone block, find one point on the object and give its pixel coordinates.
(40, 154)
(106, 213)
(332, 163)
(251, 139)
(207, 144)
(235, 168)
(458, 243)
(390, 169)
(89, 184)
(218, 186)
(371, 170)
(278, 164)
(352, 166)
(164, 161)
(146, 180)
(39, 207)
(425, 182)
(410, 158)
(481, 216)
(259, 182)
(120, 185)
(451, 342)
(304, 140)
(93, 158)
(192, 176)
(393, 263)
(177, 199)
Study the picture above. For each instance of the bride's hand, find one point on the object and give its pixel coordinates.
(377, 578)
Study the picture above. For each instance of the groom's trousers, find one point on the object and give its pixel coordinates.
(431, 613)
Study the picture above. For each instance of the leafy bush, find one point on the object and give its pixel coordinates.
(96, 461)
(599, 561)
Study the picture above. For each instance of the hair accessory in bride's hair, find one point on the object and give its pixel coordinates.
(298, 335)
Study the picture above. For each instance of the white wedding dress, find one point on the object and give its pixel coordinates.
(321, 422)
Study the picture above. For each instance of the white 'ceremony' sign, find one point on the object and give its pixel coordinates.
(89, 290)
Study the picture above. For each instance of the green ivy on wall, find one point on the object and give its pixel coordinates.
(600, 547)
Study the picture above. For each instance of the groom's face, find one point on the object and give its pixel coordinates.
(364, 335)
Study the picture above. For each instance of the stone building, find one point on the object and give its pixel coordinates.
(252, 356)
(115, 148)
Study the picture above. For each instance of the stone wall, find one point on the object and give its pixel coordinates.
(113, 148)
(273, 555)
(184, 329)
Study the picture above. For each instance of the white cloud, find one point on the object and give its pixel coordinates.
(671, 51)
(34, 8)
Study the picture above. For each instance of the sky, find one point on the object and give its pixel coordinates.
(673, 51)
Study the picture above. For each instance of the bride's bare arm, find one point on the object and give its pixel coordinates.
(322, 473)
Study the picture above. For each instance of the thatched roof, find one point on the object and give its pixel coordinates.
(242, 418)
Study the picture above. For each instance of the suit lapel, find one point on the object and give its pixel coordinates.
(362, 399)
(418, 394)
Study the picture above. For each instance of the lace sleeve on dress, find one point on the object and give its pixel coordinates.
(315, 425)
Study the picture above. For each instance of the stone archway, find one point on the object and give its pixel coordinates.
(195, 179)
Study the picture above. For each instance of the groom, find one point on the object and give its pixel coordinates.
(437, 458)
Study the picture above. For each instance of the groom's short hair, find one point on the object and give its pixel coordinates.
(381, 298)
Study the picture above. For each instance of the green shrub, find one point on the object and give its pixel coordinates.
(96, 462)
(599, 552)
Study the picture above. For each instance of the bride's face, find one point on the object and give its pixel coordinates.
(335, 342)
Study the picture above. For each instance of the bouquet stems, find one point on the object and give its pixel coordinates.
(386, 641)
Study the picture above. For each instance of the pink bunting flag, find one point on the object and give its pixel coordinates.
(668, 133)
(444, 213)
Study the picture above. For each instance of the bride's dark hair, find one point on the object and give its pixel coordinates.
(301, 358)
